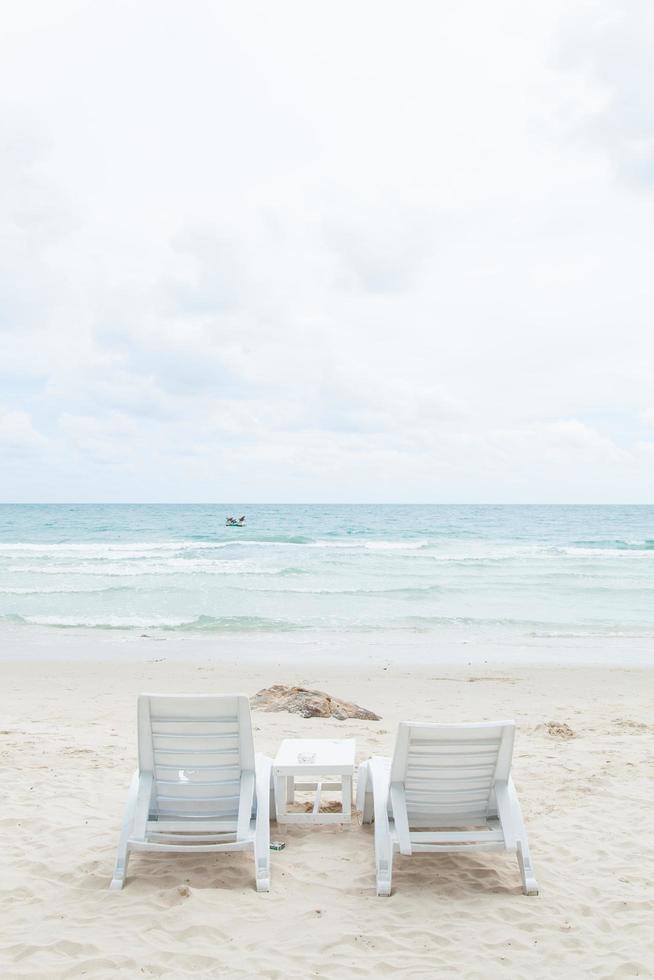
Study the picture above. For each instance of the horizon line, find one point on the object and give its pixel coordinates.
(308, 503)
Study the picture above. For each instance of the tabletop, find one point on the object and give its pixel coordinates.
(316, 754)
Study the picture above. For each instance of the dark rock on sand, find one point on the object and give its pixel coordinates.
(309, 704)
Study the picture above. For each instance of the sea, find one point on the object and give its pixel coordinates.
(518, 571)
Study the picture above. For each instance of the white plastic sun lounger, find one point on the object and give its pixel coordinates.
(453, 777)
(198, 787)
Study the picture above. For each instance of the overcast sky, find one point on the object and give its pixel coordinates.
(338, 251)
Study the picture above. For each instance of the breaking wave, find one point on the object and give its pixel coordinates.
(532, 572)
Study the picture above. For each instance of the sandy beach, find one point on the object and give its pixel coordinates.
(68, 749)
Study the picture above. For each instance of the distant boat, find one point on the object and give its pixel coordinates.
(233, 522)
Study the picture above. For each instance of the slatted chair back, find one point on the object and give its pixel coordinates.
(445, 774)
(198, 749)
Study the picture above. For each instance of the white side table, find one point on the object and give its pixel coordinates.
(302, 764)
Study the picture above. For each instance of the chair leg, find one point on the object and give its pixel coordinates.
(529, 883)
(262, 869)
(384, 874)
(120, 869)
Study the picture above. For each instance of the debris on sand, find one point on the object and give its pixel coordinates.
(559, 729)
(309, 704)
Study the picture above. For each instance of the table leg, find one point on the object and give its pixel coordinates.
(290, 789)
(280, 797)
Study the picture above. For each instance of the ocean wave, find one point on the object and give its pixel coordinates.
(456, 621)
(407, 591)
(580, 634)
(526, 627)
(507, 573)
(165, 623)
(617, 544)
(420, 624)
(138, 549)
(184, 550)
(373, 545)
(236, 623)
(104, 547)
(95, 570)
(170, 567)
(63, 590)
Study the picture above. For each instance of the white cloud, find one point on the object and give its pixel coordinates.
(374, 257)
(381, 250)
(106, 438)
(18, 435)
(570, 435)
(611, 43)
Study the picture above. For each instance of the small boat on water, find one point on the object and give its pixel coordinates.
(235, 522)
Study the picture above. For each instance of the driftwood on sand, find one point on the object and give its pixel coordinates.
(309, 704)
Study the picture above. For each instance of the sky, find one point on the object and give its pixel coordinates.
(335, 251)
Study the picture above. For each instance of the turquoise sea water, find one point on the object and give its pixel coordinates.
(531, 571)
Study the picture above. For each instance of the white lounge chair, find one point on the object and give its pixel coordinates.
(453, 777)
(198, 787)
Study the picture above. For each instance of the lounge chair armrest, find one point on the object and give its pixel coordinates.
(364, 800)
(263, 775)
(379, 770)
(126, 831)
(509, 812)
(263, 771)
(515, 833)
(132, 794)
(379, 774)
(400, 817)
(245, 804)
(130, 807)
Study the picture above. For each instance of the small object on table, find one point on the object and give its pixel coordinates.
(314, 764)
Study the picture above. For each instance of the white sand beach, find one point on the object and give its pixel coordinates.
(68, 749)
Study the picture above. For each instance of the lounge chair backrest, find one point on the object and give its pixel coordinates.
(197, 748)
(451, 770)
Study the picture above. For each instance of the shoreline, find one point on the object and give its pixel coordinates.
(400, 648)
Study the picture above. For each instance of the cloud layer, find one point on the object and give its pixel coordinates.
(284, 252)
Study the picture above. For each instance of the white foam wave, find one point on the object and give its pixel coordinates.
(371, 545)
(45, 590)
(108, 622)
(622, 554)
(395, 545)
(102, 547)
(171, 566)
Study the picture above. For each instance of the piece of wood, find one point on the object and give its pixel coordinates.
(309, 704)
